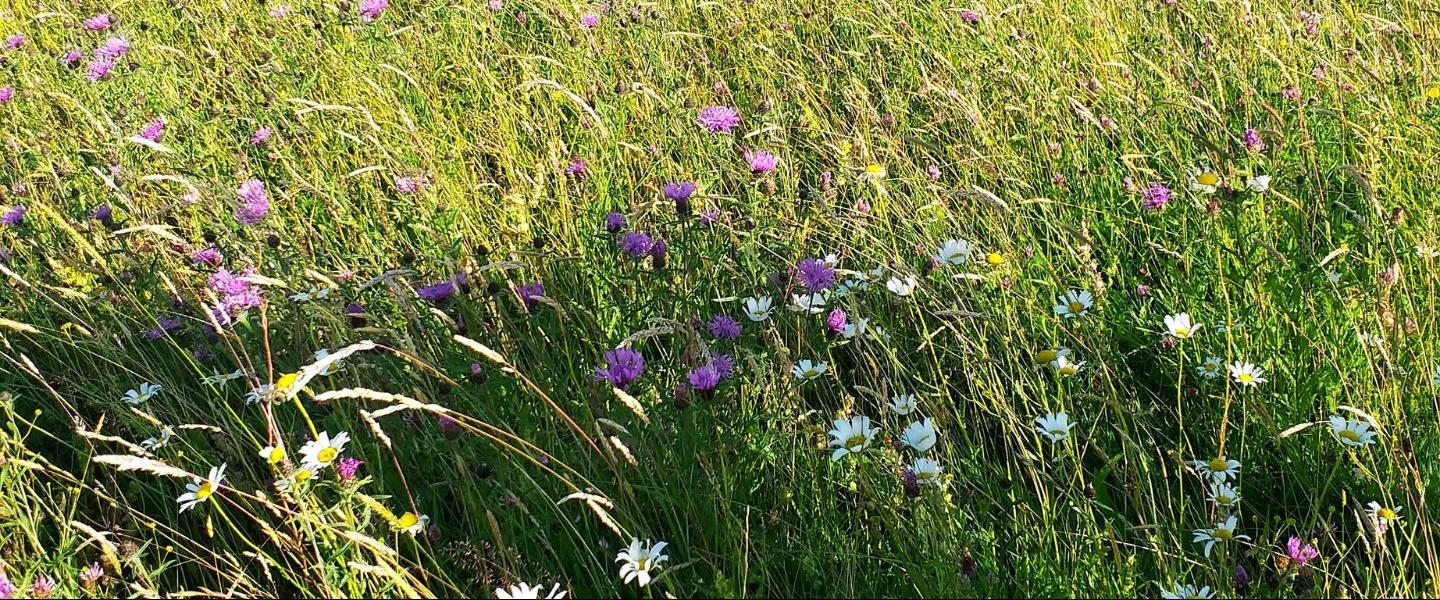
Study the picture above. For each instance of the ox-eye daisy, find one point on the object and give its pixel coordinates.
(1211, 368)
(641, 561)
(1218, 468)
(1247, 374)
(202, 489)
(1350, 432)
(1204, 180)
(321, 451)
(145, 392)
(1221, 533)
(1055, 426)
(851, 436)
(1074, 303)
(809, 370)
(920, 435)
(1180, 327)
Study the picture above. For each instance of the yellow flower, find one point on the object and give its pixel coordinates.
(994, 259)
(1434, 92)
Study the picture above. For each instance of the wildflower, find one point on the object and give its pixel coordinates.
(347, 467)
(99, 22)
(209, 255)
(71, 58)
(7, 589)
(622, 367)
(261, 136)
(145, 392)
(709, 216)
(13, 215)
(7, 93)
(901, 286)
(815, 275)
(926, 471)
(1074, 303)
(809, 370)
(953, 252)
(411, 185)
(1156, 196)
(576, 168)
(1055, 426)
(523, 590)
(725, 328)
(1218, 469)
(1180, 327)
(903, 404)
(1383, 516)
(113, 47)
(411, 523)
(98, 68)
(42, 586)
(259, 394)
(255, 203)
(679, 193)
(860, 326)
(969, 16)
(92, 574)
(1203, 180)
(758, 309)
(994, 259)
(530, 292)
(1246, 374)
(718, 119)
(637, 244)
(919, 435)
(1211, 368)
(15, 41)
(851, 436)
(704, 378)
(1219, 534)
(761, 162)
(1355, 434)
(1223, 495)
(1424, 251)
(320, 452)
(273, 454)
(443, 289)
(1241, 579)
(1299, 551)
(222, 379)
(873, 172)
(1050, 355)
(641, 561)
(154, 443)
(497, 5)
(1258, 183)
(1187, 591)
(370, 9)
(1252, 140)
(300, 475)
(153, 130)
(1065, 367)
(589, 20)
(809, 303)
(202, 489)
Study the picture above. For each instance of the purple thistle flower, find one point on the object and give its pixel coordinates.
(679, 191)
(724, 366)
(442, 290)
(576, 168)
(1299, 551)
(115, 46)
(709, 216)
(836, 320)
(910, 482)
(42, 586)
(98, 68)
(7, 589)
(347, 467)
(15, 42)
(614, 222)
(1241, 579)
(704, 378)
(163, 327)
(530, 291)
(637, 244)
(815, 275)
(370, 9)
(71, 58)
(1253, 142)
(1156, 196)
(622, 367)
(658, 252)
(761, 162)
(589, 20)
(207, 256)
(261, 136)
(969, 16)
(103, 214)
(13, 215)
(153, 130)
(725, 328)
(411, 185)
(225, 282)
(6, 93)
(718, 119)
(255, 202)
(98, 22)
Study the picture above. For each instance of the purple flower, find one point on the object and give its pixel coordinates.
(836, 320)
(589, 20)
(255, 203)
(679, 191)
(1156, 196)
(815, 275)
(207, 256)
(443, 289)
(724, 327)
(614, 222)
(98, 22)
(1241, 579)
(1299, 551)
(164, 327)
(933, 171)
(1253, 142)
(15, 41)
(91, 574)
(347, 466)
(6, 93)
(637, 244)
(530, 292)
(13, 215)
(576, 168)
(761, 162)
(704, 378)
(261, 136)
(103, 214)
(236, 293)
(7, 589)
(411, 185)
(99, 68)
(622, 367)
(969, 16)
(153, 130)
(496, 5)
(71, 58)
(42, 586)
(370, 9)
(718, 119)
(724, 366)
(115, 46)
(709, 216)
(227, 283)
(658, 252)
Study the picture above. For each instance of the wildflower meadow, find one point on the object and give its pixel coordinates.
(727, 298)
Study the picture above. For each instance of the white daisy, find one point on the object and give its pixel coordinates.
(525, 591)
(412, 524)
(953, 253)
(927, 472)
(901, 286)
(145, 392)
(272, 454)
(1383, 516)
(1221, 533)
(1075, 303)
(320, 452)
(903, 404)
(1055, 426)
(758, 309)
(1247, 374)
(1258, 183)
(919, 435)
(1049, 355)
(202, 489)
(809, 303)
(1424, 251)
(851, 436)
(1352, 433)
(1203, 180)
(259, 394)
(1223, 495)
(640, 561)
(1065, 367)
(1180, 327)
(300, 297)
(1186, 591)
(1332, 277)
(156, 443)
(1211, 368)
(223, 378)
(1217, 469)
(809, 370)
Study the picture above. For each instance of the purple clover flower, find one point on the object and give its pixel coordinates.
(411, 185)
(15, 42)
(261, 136)
(836, 320)
(718, 119)
(347, 467)
(622, 367)
(1156, 196)
(1299, 551)
(153, 130)
(7, 93)
(1252, 140)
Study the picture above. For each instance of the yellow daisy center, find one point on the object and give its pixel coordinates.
(854, 441)
(408, 520)
(303, 474)
(1385, 514)
(1182, 332)
(1349, 434)
(1046, 356)
(1075, 306)
(642, 564)
(285, 382)
(1067, 370)
(1219, 465)
(1246, 378)
(1212, 367)
(1224, 500)
(205, 490)
(326, 455)
(1223, 534)
(276, 455)
(1208, 178)
(872, 169)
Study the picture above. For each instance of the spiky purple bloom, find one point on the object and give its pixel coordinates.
(255, 203)
(576, 168)
(236, 292)
(71, 58)
(1299, 551)
(209, 255)
(1253, 142)
(115, 46)
(724, 366)
(815, 275)
(704, 378)
(261, 136)
(442, 290)
(153, 130)
(496, 5)
(969, 16)
(836, 320)
(42, 586)
(411, 185)
(933, 171)
(658, 252)
(370, 9)
(98, 68)
(530, 292)
(1241, 579)
(13, 215)
(7, 93)
(718, 119)
(709, 216)
(614, 222)
(163, 327)
(589, 20)
(1156, 196)
(761, 162)
(637, 244)
(679, 191)
(347, 467)
(622, 367)
(15, 41)
(99, 22)
(103, 214)
(91, 574)
(724, 327)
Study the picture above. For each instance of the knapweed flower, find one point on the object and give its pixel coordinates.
(1064, 367)
(815, 274)
(723, 327)
(704, 378)
(71, 58)
(836, 320)
(1258, 183)
(1223, 495)
(1156, 196)
(953, 253)
(99, 22)
(1300, 552)
(1203, 180)
(809, 370)
(1352, 433)
(576, 168)
(902, 286)
(524, 590)
(42, 586)
(761, 162)
(209, 255)
(1180, 327)
(758, 309)
(903, 404)
(927, 472)
(273, 455)
(347, 467)
(614, 222)
(411, 185)
(99, 68)
(7, 589)
(1211, 367)
(641, 561)
(637, 244)
(969, 16)
(1055, 426)
(322, 451)
(13, 215)
(531, 292)
(1221, 533)
(202, 489)
(679, 193)
(851, 436)
(709, 216)
(7, 93)
(1185, 590)
(622, 367)
(1247, 374)
(443, 289)
(254, 202)
(1074, 303)
(919, 435)
(145, 392)
(1252, 140)
(114, 47)
(14, 42)
(1218, 469)
(718, 119)
(261, 136)
(809, 303)
(153, 130)
(370, 9)
(1382, 517)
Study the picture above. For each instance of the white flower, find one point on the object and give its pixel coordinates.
(1180, 327)
(330, 369)
(155, 443)
(322, 451)
(1065, 367)
(1074, 303)
(222, 379)
(272, 454)
(1212, 367)
(920, 435)
(1055, 426)
(903, 404)
(1258, 184)
(523, 590)
(1332, 277)
(1354, 434)
(1223, 495)
(640, 561)
(832, 259)
(1247, 374)
(927, 472)
(300, 297)
(851, 436)
(1424, 251)
(412, 524)
(901, 286)
(1370, 339)
(809, 370)
(1203, 180)
(1050, 355)
(145, 392)
(809, 303)
(758, 309)
(1217, 469)
(259, 394)
(1183, 591)
(1383, 516)
(202, 489)
(953, 253)
(1219, 534)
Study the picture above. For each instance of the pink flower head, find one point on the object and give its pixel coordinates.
(836, 320)
(261, 136)
(1299, 551)
(589, 20)
(718, 119)
(154, 129)
(71, 58)
(761, 162)
(370, 9)
(115, 46)
(99, 68)
(255, 203)
(98, 22)
(411, 185)
(15, 41)
(6, 93)
(1253, 142)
